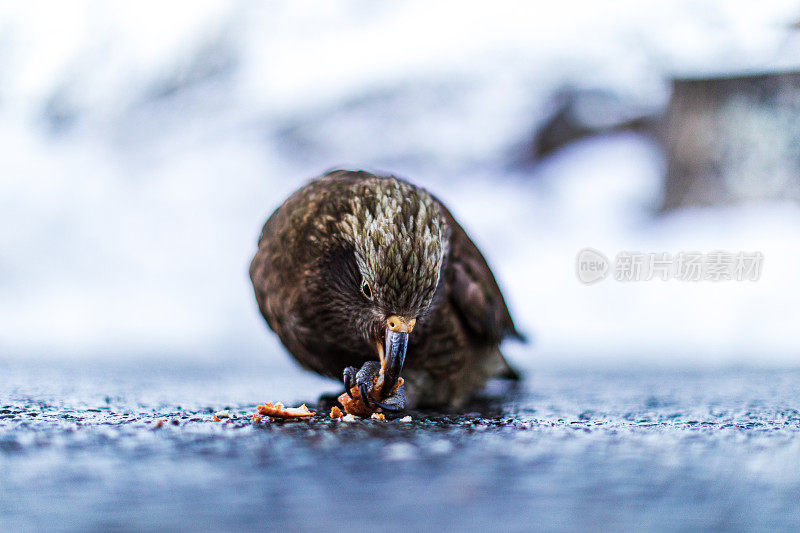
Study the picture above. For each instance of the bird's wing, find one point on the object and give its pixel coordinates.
(473, 290)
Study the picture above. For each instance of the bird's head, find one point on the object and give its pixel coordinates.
(383, 278)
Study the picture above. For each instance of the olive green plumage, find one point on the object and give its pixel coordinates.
(319, 248)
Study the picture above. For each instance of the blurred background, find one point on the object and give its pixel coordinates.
(145, 143)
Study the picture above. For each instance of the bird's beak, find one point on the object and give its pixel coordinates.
(394, 355)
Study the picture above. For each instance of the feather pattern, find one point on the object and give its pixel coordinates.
(346, 227)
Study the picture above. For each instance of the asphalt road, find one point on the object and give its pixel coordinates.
(567, 450)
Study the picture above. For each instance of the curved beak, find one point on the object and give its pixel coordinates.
(394, 355)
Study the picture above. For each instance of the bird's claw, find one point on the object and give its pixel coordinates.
(364, 379)
(349, 379)
(395, 402)
(364, 389)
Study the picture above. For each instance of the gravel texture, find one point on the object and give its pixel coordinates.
(81, 448)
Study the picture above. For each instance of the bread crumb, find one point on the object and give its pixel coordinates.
(378, 416)
(257, 418)
(405, 419)
(279, 411)
(336, 412)
(349, 418)
(215, 419)
(223, 414)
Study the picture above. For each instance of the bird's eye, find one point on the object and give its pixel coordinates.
(366, 289)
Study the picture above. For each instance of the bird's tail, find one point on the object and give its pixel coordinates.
(502, 369)
(507, 371)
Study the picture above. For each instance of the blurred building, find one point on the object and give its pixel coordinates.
(733, 138)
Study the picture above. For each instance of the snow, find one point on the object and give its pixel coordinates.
(142, 154)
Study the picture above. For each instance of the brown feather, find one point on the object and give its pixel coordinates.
(313, 251)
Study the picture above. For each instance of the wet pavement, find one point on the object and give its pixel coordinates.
(81, 448)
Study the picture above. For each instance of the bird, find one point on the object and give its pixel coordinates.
(361, 274)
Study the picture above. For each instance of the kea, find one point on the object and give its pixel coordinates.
(365, 277)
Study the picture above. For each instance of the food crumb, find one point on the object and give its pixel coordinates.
(223, 414)
(215, 419)
(378, 416)
(257, 418)
(405, 419)
(336, 412)
(279, 411)
(349, 418)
